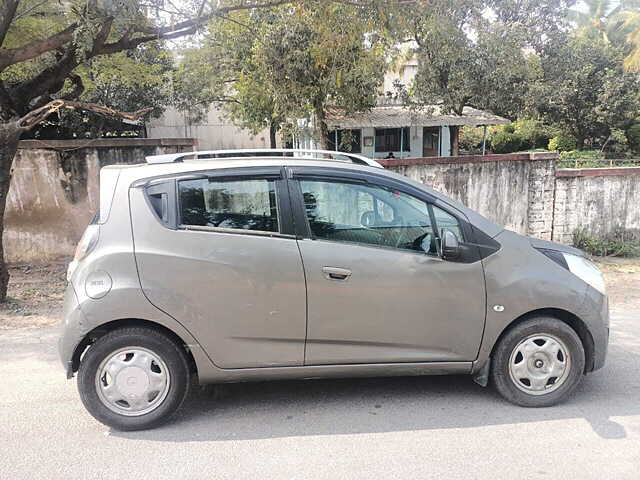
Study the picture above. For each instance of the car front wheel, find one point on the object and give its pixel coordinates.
(538, 363)
(133, 378)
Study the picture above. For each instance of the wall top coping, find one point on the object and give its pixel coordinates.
(507, 157)
(106, 143)
(597, 172)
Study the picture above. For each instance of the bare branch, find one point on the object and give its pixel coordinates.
(36, 48)
(30, 9)
(194, 23)
(102, 36)
(48, 81)
(38, 115)
(7, 13)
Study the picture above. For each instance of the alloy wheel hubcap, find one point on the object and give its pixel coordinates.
(132, 381)
(539, 364)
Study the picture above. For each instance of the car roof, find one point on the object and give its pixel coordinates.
(145, 170)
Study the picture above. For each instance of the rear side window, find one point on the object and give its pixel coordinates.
(248, 204)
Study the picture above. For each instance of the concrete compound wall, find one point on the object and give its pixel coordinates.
(513, 190)
(54, 191)
(527, 194)
(598, 200)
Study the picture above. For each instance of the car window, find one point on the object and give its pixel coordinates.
(249, 204)
(447, 221)
(369, 214)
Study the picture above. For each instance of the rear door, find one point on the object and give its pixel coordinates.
(377, 289)
(217, 252)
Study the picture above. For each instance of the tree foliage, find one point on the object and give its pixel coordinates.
(44, 44)
(473, 54)
(223, 71)
(268, 68)
(127, 81)
(319, 56)
(585, 90)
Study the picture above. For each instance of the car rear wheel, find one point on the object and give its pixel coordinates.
(133, 378)
(538, 363)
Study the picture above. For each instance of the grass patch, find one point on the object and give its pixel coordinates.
(619, 243)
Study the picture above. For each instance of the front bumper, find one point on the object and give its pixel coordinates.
(72, 329)
(596, 316)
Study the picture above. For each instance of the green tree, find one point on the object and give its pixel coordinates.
(628, 25)
(473, 54)
(585, 91)
(597, 15)
(616, 21)
(43, 44)
(318, 56)
(223, 71)
(127, 81)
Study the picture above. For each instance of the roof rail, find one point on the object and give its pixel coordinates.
(264, 152)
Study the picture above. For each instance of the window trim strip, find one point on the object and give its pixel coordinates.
(238, 231)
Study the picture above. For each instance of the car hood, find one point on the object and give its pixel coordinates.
(537, 243)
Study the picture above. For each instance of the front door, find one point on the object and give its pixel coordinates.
(431, 141)
(227, 270)
(377, 290)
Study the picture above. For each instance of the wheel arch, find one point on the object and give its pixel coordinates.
(101, 330)
(572, 320)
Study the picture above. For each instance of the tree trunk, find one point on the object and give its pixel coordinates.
(9, 138)
(273, 130)
(455, 133)
(321, 124)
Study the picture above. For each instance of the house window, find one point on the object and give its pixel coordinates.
(389, 140)
(348, 140)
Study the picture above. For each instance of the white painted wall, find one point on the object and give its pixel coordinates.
(415, 136)
(213, 133)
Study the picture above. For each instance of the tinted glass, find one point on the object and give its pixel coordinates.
(388, 139)
(448, 222)
(242, 204)
(373, 215)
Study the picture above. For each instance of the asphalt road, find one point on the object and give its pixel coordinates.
(414, 428)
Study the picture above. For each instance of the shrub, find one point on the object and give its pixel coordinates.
(582, 155)
(581, 159)
(506, 142)
(534, 133)
(562, 143)
(619, 243)
(471, 138)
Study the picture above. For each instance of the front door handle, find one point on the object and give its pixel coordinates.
(335, 273)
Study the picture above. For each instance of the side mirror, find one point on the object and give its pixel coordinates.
(450, 245)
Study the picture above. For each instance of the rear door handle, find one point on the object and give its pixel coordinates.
(335, 273)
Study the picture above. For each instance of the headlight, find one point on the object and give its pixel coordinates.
(586, 271)
(85, 245)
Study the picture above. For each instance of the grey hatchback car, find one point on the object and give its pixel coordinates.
(230, 266)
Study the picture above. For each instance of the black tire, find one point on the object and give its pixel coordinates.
(506, 386)
(174, 357)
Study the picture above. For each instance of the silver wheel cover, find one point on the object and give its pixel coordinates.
(132, 381)
(539, 364)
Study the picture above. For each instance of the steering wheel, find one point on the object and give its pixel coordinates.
(425, 243)
(369, 219)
